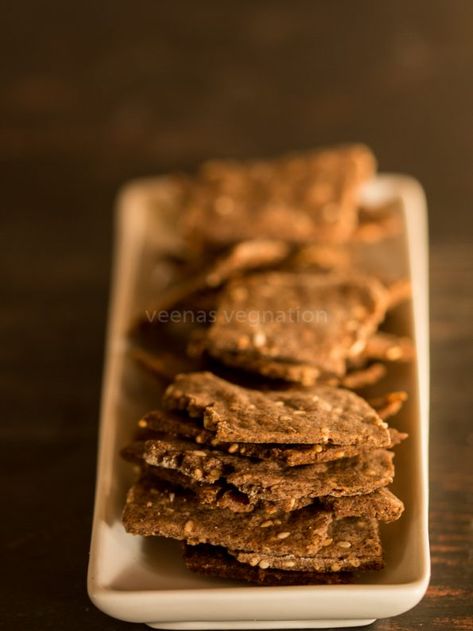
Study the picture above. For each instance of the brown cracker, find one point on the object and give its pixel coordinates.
(298, 197)
(215, 561)
(381, 504)
(300, 327)
(154, 509)
(268, 480)
(321, 414)
(388, 347)
(160, 422)
(355, 545)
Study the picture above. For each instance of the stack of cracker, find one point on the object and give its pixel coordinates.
(280, 477)
(289, 480)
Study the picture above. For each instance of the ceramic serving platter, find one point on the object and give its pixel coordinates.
(140, 580)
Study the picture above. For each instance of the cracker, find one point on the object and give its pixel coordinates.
(355, 545)
(165, 365)
(246, 256)
(299, 197)
(377, 223)
(380, 504)
(294, 455)
(243, 257)
(389, 347)
(305, 324)
(160, 509)
(321, 257)
(348, 476)
(223, 495)
(321, 414)
(215, 561)
(363, 377)
(399, 292)
(268, 480)
(162, 422)
(389, 405)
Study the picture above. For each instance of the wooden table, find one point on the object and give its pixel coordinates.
(95, 94)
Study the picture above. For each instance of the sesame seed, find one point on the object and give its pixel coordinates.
(357, 347)
(233, 448)
(259, 339)
(242, 342)
(264, 565)
(142, 423)
(395, 352)
(282, 535)
(198, 474)
(344, 544)
(266, 524)
(188, 527)
(197, 452)
(254, 561)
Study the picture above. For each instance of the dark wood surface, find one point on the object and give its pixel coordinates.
(93, 94)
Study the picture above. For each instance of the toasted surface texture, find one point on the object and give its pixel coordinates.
(288, 320)
(304, 197)
(351, 476)
(161, 422)
(380, 504)
(160, 509)
(267, 480)
(321, 414)
(355, 544)
(213, 561)
(389, 347)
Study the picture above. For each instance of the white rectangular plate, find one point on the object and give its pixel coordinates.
(145, 580)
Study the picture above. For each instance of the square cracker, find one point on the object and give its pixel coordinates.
(354, 544)
(380, 504)
(162, 422)
(160, 509)
(301, 197)
(213, 561)
(268, 480)
(297, 326)
(321, 414)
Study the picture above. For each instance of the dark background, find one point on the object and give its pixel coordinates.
(95, 93)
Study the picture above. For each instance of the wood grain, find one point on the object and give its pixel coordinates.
(94, 94)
